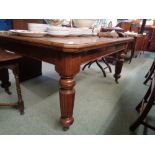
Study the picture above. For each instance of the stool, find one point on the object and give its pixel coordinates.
(10, 60)
(150, 72)
(145, 106)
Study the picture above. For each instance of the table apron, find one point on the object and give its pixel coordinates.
(101, 52)
(53, 56)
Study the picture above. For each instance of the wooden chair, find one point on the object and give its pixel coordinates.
(150, 72)
(10, 60)
(145, 106)
(99, 65)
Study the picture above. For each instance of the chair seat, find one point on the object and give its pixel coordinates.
(7, 58)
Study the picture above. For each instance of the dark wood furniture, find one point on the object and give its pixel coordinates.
(137, 46)
(67, 54)
(148, 29)
(29, 68)
(151, 43)
(10, 61)
(145, 106)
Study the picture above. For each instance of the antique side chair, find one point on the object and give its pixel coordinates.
(145, 106)
(10, 60)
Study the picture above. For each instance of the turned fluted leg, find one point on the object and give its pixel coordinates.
(119, 65)
(67, 67)
(67, 94)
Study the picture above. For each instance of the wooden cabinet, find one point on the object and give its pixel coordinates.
(29, 68)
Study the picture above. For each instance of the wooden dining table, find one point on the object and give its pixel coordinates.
(67, 54)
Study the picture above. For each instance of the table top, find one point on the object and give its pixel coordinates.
(67, 44)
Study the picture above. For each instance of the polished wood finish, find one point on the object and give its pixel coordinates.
(10, 61)
(67, 54)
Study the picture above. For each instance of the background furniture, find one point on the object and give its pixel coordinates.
(28, 67)
(137, 46)
(10, 61)
(149, 30)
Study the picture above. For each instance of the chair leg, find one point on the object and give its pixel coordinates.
(138, 107)
(142, 116)
(4, 77)
(149, 76)
(104, 74)
(20, 107)
(86, 65)
(98, 64)
(151, 68)
(7, 90)
(110, 70)
(90, 63)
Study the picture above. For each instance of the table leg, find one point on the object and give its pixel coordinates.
(67, 95)
(67, 67)
(132, 50)
(4, 77)
(119, 65)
